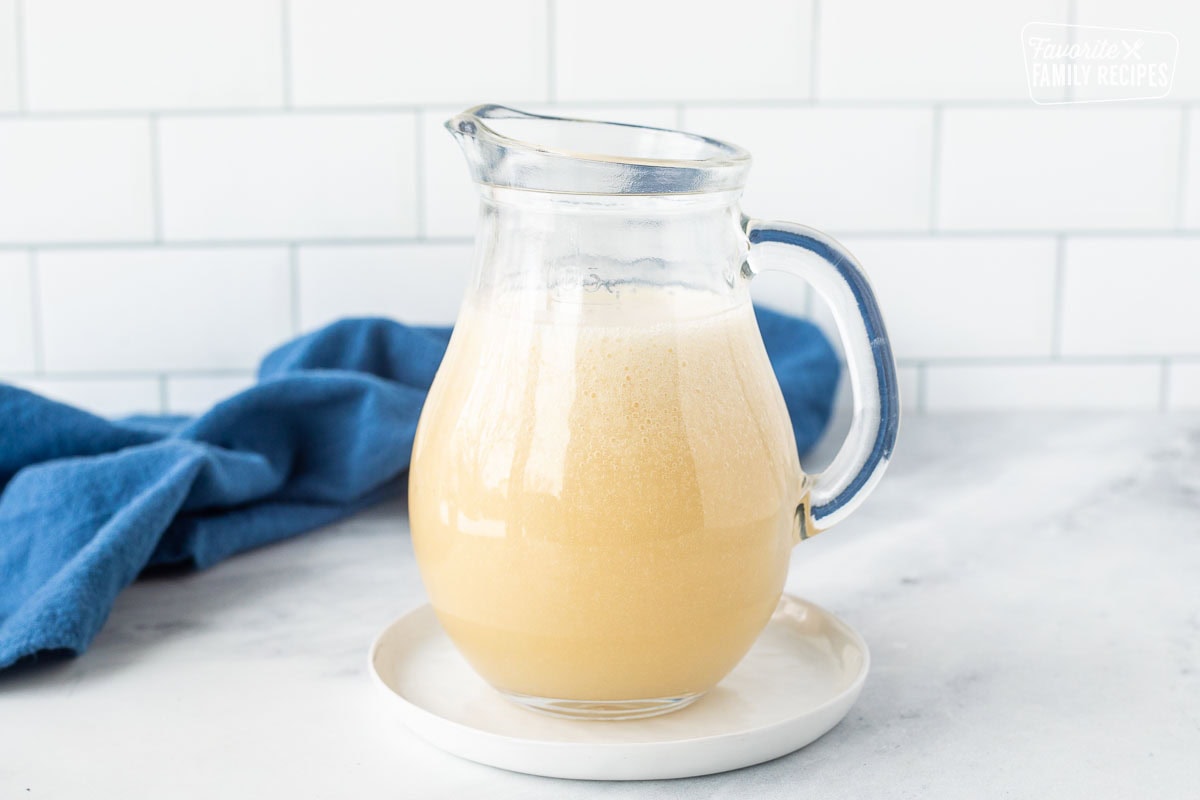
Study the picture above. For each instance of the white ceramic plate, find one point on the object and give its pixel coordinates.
(798, 681)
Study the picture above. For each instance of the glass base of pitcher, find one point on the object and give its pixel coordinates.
(603, 709)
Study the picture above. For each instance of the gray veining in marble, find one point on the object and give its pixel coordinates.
(1029, 586)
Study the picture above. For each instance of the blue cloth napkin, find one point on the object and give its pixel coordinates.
(86, 504)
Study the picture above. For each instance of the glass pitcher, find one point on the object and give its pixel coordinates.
(605, 487)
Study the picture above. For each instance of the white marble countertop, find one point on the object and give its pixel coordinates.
(1029, 586)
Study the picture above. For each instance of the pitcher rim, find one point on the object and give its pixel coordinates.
(734, 154)
(496, 158)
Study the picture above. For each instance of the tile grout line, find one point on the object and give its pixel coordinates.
(35, 309)
(294, 288)
(419, 174)
(358, 109)
(285, 50)
(1185, 126)
(814, 55)
(216, 244)
(935, 169)
(19, 46)
(1107, 360)
(1057, 298)
(155, 178)
(551, 54)
(1164, 385)
(130, 374)
(450, 241)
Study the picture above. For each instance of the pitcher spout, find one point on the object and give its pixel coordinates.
(508, 148)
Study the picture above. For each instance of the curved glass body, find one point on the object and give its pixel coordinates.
(605, 487)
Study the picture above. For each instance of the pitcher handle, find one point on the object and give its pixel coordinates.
(837, 276)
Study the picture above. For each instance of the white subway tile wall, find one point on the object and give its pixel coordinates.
(186, 184)
(76, 180)
(959, 297)
(1131, 297)
(417, 284)
(872, 50)
(1059, 168)
(1135, 387)
(370, 52)
(881, 182)
(138, 54)
(1183, 386)
(288, 176)
(1173, 16)
(619, 50)
(909, 379)
(160, 310)
(1189, 213)
(16, 313)
(110, 397)
(195, 394)
(10, 80)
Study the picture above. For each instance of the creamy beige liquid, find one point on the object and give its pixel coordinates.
(602, 502)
